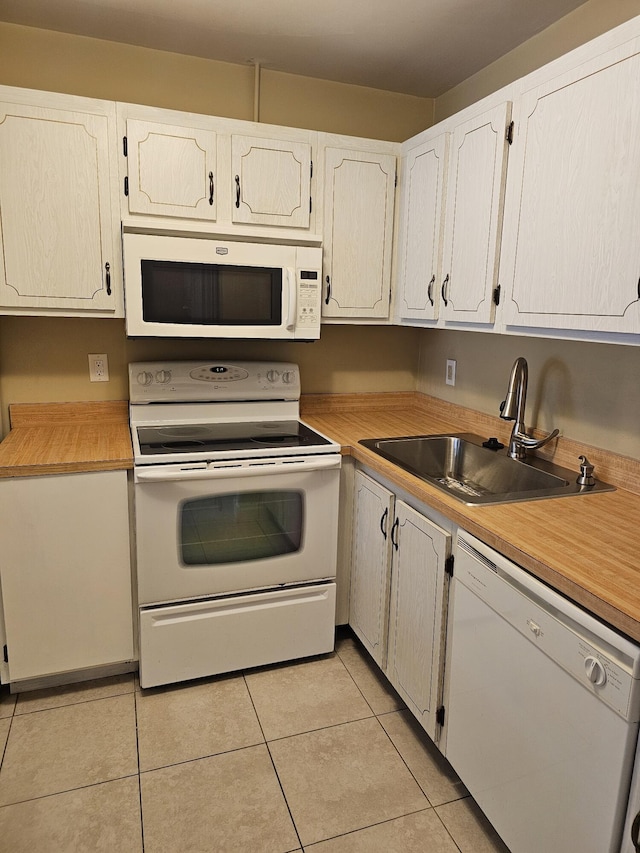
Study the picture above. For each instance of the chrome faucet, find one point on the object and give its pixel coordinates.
(512, 409)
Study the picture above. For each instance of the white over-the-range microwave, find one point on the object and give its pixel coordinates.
(178, 286)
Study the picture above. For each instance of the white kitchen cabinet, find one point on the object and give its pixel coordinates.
(415, 658)
(66, 573)
(59, 241)
(172, 170)
(359, 199)
(272, 181)
(399, 592)
(473, 217)
(421, 230)
(370, 565)
(571, 254)
(226, 174)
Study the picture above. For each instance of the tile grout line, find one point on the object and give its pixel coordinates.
(135, 710)
(275, 770)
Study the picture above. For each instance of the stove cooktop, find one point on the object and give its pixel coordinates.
(256, 435)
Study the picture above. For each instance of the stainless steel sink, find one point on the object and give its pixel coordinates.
(459, 465)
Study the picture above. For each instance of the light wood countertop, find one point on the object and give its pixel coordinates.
(587, 546)
(66, 438)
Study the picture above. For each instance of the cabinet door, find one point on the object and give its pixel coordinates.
(417, 613)
(571, 248)
(271, 181)
(369, 602)
(65, 572)
(359, 194)
(58, 235)
(473, 221)
(423, 182)
(172, 170)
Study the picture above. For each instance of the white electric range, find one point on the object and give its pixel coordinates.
(236, 508)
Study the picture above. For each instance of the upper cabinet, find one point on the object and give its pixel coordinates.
(473, 217)
(272, 181)
(452, 200)
(359, 198)
(571, 254)
(172, 170)
(419, 253)
(226, 174)
(60, 235)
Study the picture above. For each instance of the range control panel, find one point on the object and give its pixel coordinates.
(218, 381)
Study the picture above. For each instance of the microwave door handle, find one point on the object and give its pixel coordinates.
(291, 298)
(320, 463)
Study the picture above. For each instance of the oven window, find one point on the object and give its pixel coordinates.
(211, 294)
(238, 528)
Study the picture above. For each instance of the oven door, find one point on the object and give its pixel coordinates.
(227, 527)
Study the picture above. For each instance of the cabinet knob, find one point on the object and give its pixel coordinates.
(430, 289)
(211, 187)
(237, 190)
(328, 296)
(107, 277)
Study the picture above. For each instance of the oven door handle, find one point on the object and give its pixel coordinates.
(292, 299)
(157, 475)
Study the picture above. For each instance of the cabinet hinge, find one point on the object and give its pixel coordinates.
(5, 653)
(496, 295)
(125, 146)
(126, 186)
(509, 136)
(448, 565)
(440, 716)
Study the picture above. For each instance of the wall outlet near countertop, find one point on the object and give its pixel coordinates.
(450, 375)
(98, 367)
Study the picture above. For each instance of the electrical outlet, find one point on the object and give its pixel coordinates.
(98, 367)
(450, 375)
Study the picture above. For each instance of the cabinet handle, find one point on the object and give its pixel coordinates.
(328, 296)
(211, 187)
(383, 522)
(237, 190)
(430, 288)
(394, 539)
(107, 270)
(635, 831)
(444, 290)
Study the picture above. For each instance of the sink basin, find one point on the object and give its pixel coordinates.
(474, 474)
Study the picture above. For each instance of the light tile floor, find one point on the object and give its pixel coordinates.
(318, 755)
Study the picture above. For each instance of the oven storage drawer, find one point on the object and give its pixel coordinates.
(183, 641)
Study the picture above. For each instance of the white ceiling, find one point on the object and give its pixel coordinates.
(419, 47)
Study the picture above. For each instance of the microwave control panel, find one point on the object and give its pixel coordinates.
(308, 299)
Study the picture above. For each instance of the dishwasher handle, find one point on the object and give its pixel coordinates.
(160, 475)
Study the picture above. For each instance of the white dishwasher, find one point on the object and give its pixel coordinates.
(542, 708)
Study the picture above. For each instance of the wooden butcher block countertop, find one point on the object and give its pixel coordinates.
(587, 546)
(66, 438)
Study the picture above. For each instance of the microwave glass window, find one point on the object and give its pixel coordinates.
(240, 527)
(211, 294)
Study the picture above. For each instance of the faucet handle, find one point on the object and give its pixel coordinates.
(586, 477)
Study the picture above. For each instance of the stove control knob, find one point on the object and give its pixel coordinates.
(273, 375)
(163, 376)
(145, 378)
(289, 377)
(596, 673)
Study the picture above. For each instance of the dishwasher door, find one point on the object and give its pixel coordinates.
(542, 708)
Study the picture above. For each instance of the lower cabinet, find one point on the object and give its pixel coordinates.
(399, 592)
(65, 571)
